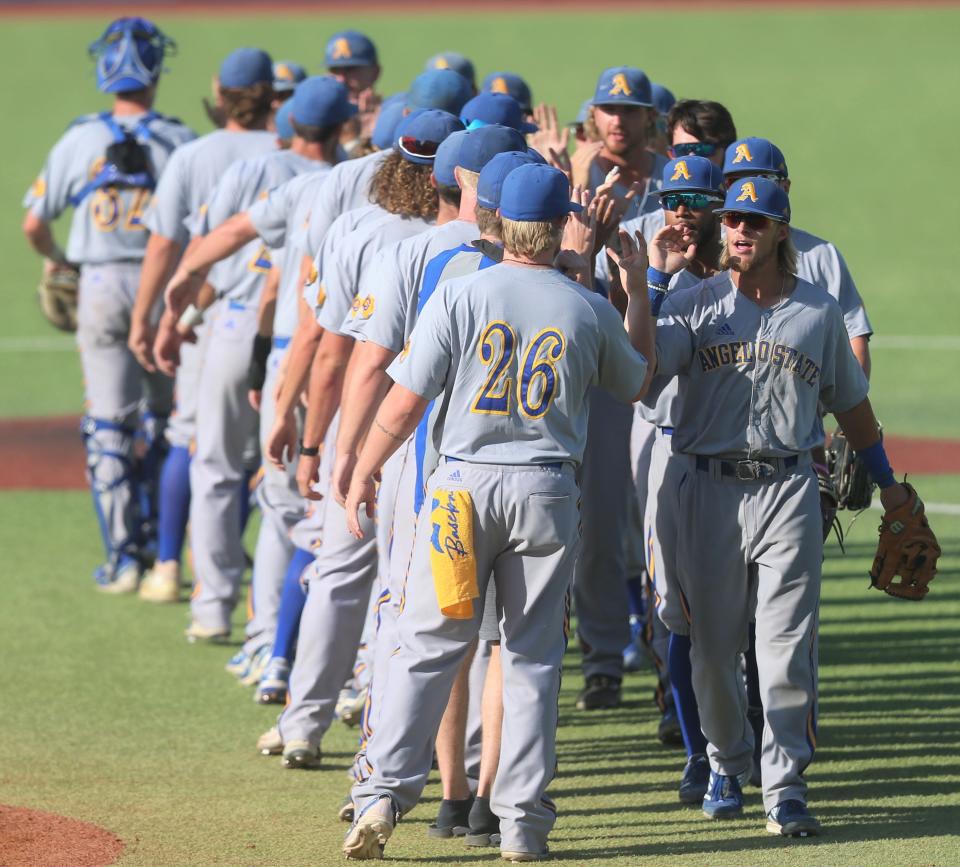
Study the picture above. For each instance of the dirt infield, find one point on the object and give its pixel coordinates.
(30, 838)
(46, 454)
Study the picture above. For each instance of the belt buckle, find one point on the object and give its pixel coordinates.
(752, 471)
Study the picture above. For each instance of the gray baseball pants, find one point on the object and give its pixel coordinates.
(225, 425)
(599, 588)
(526, 539)
(750, 547)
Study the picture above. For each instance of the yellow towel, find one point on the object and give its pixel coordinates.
(452, 559)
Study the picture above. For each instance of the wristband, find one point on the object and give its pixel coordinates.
(191, 317)
(308, 451)
(257, 374)
(878, 465)
(659, 280)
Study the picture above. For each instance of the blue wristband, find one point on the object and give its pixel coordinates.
(878, 466)
(659, 279)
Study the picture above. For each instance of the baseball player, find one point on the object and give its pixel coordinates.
(190, 178)
(342, 577)
(757, 350)
(701, 128)
(511, 84)
(397, 277)
(505, 494)
(225, 419)
(106, 167)
(457, 63)
(286, 76)
(351, 58)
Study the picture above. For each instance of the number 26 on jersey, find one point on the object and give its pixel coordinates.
(527, 373)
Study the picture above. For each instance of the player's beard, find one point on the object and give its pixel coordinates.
(756, 261)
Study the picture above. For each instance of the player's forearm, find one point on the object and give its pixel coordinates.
(393, 424)
(227, 238)
(368, 387)
(298, 359)
(642, 329)
(859, 425)
(159, 261)
(268, 303)
(861, 351)
(40, 236)
(326, 386)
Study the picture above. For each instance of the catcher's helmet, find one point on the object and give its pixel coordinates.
(130, 55)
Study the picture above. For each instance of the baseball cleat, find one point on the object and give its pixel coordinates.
(161, 583)
(755, 718)
(346, 811)
(124, 580)
(693, 783)
(239, 664)
(724, 799)
(668, 731)
(635, 654)
(258, 665)
(791, 818)
(484, 825)
(518, 857)
(453, 819)
(600, 693)
(350, 704)
(300, 755)
(273, 685)
(197, 634)
(270, 743)
(370, 832)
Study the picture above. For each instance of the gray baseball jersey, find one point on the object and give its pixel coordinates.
(349, 188)
(282, 220)
(798, 352)
(346, 267)
(193, 172)
(240, 276)
(108, 223)
(387, 311)
(502, 336)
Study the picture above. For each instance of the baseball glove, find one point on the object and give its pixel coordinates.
(907, 550)
(58, 296)
(828, 503)
(851, 481)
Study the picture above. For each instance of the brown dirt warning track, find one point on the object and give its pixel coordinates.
(46, 454)
(31, 838)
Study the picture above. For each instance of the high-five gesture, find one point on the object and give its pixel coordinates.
(632, 263)
(672, 248)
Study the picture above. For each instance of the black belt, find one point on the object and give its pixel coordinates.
(746, 470)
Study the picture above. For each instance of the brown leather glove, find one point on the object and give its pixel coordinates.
(908, 550)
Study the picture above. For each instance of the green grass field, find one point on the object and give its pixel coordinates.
(109, 716)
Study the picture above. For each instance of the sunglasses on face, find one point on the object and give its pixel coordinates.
(416, 148)
(692, 201)
(770, 176)
(733, 219)
(692, 149)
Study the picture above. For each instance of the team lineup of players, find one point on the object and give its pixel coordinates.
(473, 378)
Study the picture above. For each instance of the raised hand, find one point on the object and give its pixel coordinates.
(672, 248)
(551, 136)
(632, 262)
(580, 232)
(581, 161)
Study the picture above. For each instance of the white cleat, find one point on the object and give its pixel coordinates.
(370, 832)
(161, 583)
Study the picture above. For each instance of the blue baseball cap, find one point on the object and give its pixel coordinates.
(281, 120)
(663, 99)
(439, 88)
(391, 113)
(501, 108)
(129, 55)
(419, 135)
(754, 155)
(757, 196)
(691, 175)
(349, 48)
(482, 144)
(321, 101)
(511, 84)
(623, 85)
(495, 172)
(287, 75)
(457, 62)
(447, 158)
(246, 67)
(534, 192)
